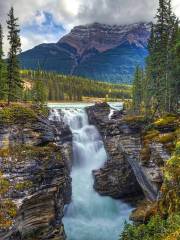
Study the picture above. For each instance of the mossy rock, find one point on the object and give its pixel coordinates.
(150, 135)
(21, 152)
(10, 207)
(165, 121)
(4, 152)
(134, 119)
(4, 185)
(166, 138)
(8, 213)
(25, 185)
(144, 212)
(17, 113)
(170, 147)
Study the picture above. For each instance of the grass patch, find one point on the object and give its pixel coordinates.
(166, 138)
(21, 186)
(17, 113)
(162, 122)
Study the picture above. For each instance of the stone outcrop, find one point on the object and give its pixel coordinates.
(36, 160)
(103, 37)
(116, 178)
(124, 175)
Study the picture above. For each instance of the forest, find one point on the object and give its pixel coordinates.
(156, 97)
(56, 87)
(156, 89)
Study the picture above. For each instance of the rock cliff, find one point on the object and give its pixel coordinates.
(35, 156)
(103, 37)
(124, 175)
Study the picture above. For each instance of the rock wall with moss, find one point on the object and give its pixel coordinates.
(160, 219)
(35, 183)
(134, 162)
(143, 157)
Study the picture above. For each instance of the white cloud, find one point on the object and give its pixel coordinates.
(69, 13)
(176, 7)
(29, 42)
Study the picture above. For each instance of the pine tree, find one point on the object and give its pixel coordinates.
(172, 36)
(13, 69)
(2, 69)
(159, 62)
(137, 90)
(175, 74)
(39, 91)
(150, 89)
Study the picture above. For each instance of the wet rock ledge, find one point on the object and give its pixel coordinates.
(125, 175)
(35, 156)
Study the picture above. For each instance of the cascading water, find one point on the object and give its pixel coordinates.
(89, 216)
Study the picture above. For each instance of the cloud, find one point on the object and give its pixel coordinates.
(117, 11)
(46, 20)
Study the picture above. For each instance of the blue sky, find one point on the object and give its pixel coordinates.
(44, 21)
(42, 28)
(43, 24)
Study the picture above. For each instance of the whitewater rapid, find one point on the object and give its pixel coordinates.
(89, 216)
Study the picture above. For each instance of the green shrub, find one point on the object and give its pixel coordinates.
(156, 229)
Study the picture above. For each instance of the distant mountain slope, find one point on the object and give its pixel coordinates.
(97, 51)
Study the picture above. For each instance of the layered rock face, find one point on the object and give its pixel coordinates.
(104, 37)
(97, 51)
(35, 161)
(116, 178)
(124, 175)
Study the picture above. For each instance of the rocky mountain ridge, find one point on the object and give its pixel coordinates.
(97, 51)
(103, 37)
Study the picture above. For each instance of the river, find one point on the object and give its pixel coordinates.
(89, 216)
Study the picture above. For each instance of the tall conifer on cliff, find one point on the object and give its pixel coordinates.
(2, 68)
(13, 69)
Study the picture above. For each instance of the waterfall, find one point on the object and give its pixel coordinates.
(89, 216)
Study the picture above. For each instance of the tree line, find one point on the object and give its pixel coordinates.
(56, 87)
(156, 89)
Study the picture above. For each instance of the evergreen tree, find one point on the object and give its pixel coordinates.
(159, 62)
(175, 75)
(39, 91)
(2, 69)
(137, 89)
(13, 70)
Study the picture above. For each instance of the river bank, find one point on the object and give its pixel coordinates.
(39, 155)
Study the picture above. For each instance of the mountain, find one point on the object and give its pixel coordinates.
(97, 51)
